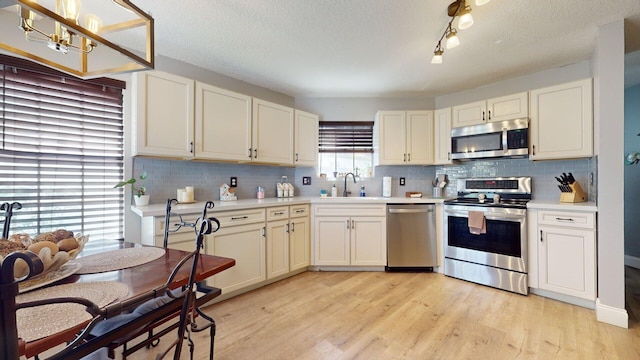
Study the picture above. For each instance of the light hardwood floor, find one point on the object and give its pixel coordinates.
(377, 315)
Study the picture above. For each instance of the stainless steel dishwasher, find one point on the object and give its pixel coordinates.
(411, 237)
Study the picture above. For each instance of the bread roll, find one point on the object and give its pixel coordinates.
(36, 247)
(45, 237)
(62, 234)
(68, 244)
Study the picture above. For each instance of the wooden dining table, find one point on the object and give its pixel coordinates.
(139, 279)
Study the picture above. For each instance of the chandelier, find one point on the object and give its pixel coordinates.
(86, 40)
(457, 9)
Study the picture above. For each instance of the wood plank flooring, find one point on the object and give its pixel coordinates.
(376, 315)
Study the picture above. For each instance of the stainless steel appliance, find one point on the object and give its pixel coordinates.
(498, 257)
(509, 138)
(411, 237)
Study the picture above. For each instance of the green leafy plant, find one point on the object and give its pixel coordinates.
(139, 190)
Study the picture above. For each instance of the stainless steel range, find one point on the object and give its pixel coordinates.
(494, 254)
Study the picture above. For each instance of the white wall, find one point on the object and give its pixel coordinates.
(359, 109)
(608, 61)
(577, 71)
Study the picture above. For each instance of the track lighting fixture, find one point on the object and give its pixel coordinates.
(457, 9)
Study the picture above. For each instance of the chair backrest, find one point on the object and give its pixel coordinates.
(8, 209)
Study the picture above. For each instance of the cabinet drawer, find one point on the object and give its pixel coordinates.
(298, 211)
(158, 228)
(350, 210)
(240, 217)
(277, 213)
(583, 220)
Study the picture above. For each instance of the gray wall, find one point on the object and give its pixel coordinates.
(632, 172)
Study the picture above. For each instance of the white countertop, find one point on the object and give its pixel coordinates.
(159, 209)
(557, 205)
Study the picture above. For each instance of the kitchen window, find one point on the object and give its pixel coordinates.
(345, 147)
(61, 150)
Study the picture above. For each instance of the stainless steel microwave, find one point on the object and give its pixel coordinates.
(509, 138)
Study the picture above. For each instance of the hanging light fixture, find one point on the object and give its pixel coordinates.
(437, 55)
(452, 38)
(118, 40)
(457, 9)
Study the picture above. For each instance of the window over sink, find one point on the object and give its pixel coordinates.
(345, 146)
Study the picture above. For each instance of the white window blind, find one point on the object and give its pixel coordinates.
(61, 152)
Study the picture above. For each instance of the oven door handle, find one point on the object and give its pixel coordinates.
(490, 216)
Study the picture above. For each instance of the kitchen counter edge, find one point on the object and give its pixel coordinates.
(159, 209)
(555, 205)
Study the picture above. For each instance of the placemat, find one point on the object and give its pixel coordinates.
(118, 259)
(37, 322)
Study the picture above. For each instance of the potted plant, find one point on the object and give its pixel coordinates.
(139, 191)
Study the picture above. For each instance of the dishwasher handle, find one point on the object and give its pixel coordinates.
(410, 211)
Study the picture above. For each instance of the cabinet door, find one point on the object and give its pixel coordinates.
(390, 137)
(299, 243)
(245, 244)
(272, 133)
(163, 115)
(567, 261)
(368, 241)
(442, 137)
(562, 121)
(469, 114)
(509, 107)
(331, 241)
(277, 248)
(223, 124)
(306, 138)
(419, 138)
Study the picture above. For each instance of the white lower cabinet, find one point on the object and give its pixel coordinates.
(241, 237)
(565, 245)
(287, 239)
(350, 240)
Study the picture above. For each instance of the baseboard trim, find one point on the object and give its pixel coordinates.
(632, 261)
(611, 315)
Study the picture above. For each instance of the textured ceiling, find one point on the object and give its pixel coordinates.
(379, 48)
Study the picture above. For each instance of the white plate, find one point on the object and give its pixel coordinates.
(41, 280)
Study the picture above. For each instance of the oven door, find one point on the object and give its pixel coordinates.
(504, 245)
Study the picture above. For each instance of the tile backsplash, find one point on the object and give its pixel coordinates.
(166, 176)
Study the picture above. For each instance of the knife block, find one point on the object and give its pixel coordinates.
(576, 195)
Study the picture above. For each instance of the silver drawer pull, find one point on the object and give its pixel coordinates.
(565, 219)
(240, 218)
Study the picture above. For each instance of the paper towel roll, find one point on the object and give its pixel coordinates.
(386, 186)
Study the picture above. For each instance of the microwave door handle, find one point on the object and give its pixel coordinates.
(505, 137)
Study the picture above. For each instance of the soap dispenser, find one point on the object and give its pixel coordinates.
(334, 191)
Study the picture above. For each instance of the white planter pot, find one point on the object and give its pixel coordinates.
(141, 200)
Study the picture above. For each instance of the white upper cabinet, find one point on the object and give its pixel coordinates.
(223, 124)
(163, 115)
(272, 135)
(403, 138)
(562, 121)
(442, 136)
(497, 109)
(306, 138)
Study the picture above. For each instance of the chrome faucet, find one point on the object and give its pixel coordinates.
(345, 192)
